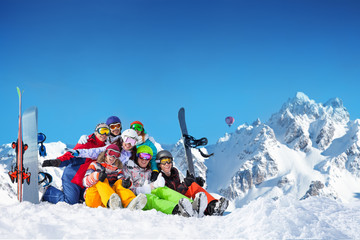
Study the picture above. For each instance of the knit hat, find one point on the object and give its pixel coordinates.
(113, 147)
(144, 149)
(136, 122)
(113, 119)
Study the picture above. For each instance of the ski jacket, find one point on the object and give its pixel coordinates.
(92, 173)
(150, 141)
(138, 176)
(93, 142)
(173, 181)
(93, 153)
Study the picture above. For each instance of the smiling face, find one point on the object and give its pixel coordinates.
(166, 165)
(110, 159)
(143, 162)
(115, 128)
(101, 137)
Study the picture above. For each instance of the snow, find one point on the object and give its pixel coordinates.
(264, 218)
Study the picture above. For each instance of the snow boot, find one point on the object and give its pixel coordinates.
(217, 207)
(114, 202)
(44, 180)
(138, 203)
(184, 208)
(200, 203)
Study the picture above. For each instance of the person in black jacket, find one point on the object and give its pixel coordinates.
(190, 186)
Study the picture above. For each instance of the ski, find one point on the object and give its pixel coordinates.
(30, 160)
(184, 134)
(18, 173)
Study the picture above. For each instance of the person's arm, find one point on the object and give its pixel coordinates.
(92, 153)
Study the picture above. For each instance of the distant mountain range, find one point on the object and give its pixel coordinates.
(305, 149)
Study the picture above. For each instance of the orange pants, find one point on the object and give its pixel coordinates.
(194, 189)
(99, 194)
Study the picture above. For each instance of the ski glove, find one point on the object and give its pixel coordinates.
(189, 178)
(73, 152)
(154, 175)
(200, 181)
(102, 175)
(126, 183)
(146, 189)
(160, 182)
(51, 163)
(83, 139)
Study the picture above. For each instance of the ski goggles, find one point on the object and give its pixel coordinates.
(103, 131)
(165, 161)
(114, 126)
(137, 127)
(145, 156)
(130, 140)
(113, 153)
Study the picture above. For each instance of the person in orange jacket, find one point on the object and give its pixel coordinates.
(75, 169)
(190, 186)
(106, 184)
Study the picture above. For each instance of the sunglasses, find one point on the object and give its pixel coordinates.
(113, 153)
(130, 140)
(137, 127)
(103, 131)
(165, 161)
(145, 156)
(114, 126)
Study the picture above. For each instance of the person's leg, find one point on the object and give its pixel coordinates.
(168, 194)
(194, 189)
(161, 205)
(125, 194)
(92, 197)
(70, 193)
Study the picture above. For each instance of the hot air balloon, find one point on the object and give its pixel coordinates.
(229, 120)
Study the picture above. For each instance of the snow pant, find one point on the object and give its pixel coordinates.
(71, 193)
(99, 194)
(194, 189)
(163, 199)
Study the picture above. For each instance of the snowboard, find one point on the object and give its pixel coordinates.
(30, 159)
(184, 134)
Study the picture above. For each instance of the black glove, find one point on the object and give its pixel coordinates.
(189, 179)
(200, 181)
(102, 175)
(51, 163)
(154, 175)
(126, 183)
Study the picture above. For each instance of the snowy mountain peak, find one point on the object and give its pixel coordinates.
(301, 150)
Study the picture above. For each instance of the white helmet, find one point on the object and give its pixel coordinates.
(131, 133)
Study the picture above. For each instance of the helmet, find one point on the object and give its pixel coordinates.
(129, 133)
(144, 149)
(113, 119)
(163, 154)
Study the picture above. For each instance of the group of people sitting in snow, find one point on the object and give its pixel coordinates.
(115, 169)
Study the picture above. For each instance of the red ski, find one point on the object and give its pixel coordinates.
(18, 172)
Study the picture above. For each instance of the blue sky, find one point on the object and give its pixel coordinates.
(80, 62)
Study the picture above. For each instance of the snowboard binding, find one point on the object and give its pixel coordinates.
(191, 142)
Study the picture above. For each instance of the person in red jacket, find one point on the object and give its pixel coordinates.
(75, 169)
(190, 186)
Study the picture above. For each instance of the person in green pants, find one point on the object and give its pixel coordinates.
(159, 196)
